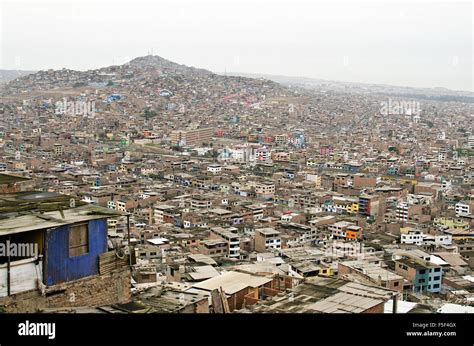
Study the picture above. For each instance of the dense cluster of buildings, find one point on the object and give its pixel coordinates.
(187, 191)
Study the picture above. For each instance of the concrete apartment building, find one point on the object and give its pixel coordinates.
(425, 276)
(267, 239)
(191, 137)
(345, 230)
(464, 208)
(232, 239)
(265, 190)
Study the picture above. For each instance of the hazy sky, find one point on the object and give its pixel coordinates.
(414, 43)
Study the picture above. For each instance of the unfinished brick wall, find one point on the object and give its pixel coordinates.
(281, 283)
(95, 290)
(342, 270)
(377, 309)
(199, 307)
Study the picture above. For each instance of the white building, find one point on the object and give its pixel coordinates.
(214, 169)
(413, 237)
(401, 213)
(238, 155)
(463, 208)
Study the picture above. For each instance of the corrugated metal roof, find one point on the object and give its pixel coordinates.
(203, 272)
(232, 282)
(367, 291)
(33, 221)
(201, 258)
(452, 258)
(345, 303)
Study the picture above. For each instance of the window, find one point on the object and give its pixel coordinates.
(421, 281)
(436, 286)
(78, 240)
(436, 278)
(437, 269)
(422, 271)
(395, 284)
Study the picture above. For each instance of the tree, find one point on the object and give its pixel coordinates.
(148, 114)
(393, 149)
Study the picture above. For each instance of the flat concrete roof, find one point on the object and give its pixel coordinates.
(268, 231)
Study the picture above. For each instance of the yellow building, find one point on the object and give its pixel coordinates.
(401, 180)
(326, 271)
(451, 223)
(314, 178)
(353, 208)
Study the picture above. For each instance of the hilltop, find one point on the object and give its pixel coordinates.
(8, 75)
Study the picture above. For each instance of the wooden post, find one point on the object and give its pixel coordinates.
(216, 302)
(225, 303)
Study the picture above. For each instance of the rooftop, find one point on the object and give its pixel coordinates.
(374, 271)
(31, 211)
(268, 231)
(345, 303)
(232, 282)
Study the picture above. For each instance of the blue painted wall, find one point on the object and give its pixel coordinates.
(429, 276)
(435, 278)
(62, 268)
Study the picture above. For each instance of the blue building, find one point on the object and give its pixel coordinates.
(425, 276)
(113, 97)
(68, 235)
(352, 167)
(392, 170)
